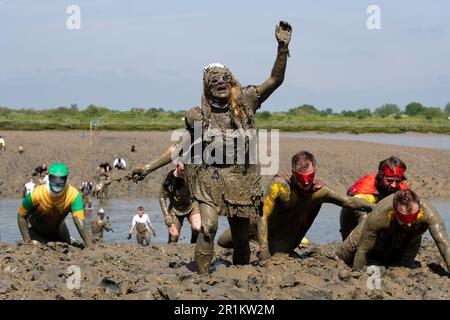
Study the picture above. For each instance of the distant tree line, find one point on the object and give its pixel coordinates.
(386, 110)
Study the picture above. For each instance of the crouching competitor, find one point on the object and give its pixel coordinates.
(392, 233)
(42, 213)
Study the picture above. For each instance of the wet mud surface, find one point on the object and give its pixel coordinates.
(124, 271)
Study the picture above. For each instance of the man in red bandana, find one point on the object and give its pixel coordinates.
(373, 188)
(392, 233)
(291, 204)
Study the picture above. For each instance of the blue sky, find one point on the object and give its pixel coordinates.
(151, 53)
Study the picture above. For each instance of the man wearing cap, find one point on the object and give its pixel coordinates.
(221, 183)
(291, 204)
(43, 211)
(99, 224)
(373, 188)
(392, 233)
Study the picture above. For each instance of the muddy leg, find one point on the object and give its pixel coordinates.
(225, 239)
(239, 233)
(140, 238)
(204, 250)
(196, 223)
(347, 250)
(147, 238)
(178, 222)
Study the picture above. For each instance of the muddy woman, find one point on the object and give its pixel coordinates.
(220, 179)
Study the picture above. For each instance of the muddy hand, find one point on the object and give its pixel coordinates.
(137, 175)
(283, 33)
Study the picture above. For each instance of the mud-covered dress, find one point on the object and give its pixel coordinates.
(232, 189)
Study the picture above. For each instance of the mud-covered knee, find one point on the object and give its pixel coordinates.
(209, 230)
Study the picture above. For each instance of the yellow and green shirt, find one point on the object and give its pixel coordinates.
(43, 208)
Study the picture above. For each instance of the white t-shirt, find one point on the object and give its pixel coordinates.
(29, 186)
(121, 164)
(144, 219)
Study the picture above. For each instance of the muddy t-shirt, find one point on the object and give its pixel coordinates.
(178, 193)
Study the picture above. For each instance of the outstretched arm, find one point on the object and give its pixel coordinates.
(283, 35)
(182, 146)
(438, 232)
(346, 201)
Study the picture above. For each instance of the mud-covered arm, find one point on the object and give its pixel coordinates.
(78, 219)
(331, 196)
(372, 226)
(173, 152)
(274, 192)
(79, 224)
(23, 227)
(283, 35)
(163, 195)
(24, 211)
(438, 231)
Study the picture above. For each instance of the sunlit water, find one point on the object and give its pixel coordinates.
(435, 141)
(325, 228)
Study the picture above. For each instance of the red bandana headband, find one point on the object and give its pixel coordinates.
(406, 218)
(397, 172)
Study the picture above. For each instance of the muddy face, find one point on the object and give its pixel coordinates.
(218, 84)
(390, 184)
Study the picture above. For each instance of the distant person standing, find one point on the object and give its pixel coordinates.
(99, 224)
(119, 164)
(28, 188)
(143, 227)
(2, 143)
(133, 148)
(86, 190)
(20, 150)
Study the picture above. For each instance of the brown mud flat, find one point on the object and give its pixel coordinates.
(130, 271)
(340, 163)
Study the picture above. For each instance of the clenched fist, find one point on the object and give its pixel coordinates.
(283, 33)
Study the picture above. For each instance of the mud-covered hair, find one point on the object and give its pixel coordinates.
(303, 157)
(405, 198)
(140, 208)
(238, 110)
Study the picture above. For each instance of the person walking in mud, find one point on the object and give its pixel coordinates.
(99, 224)
(373, 187)
(291, 204)
(181, 205)
(230, 188)
(86, 190)
(143, 226)
(42, 214)
(2, 144)
(28, 187)
(392, 233)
